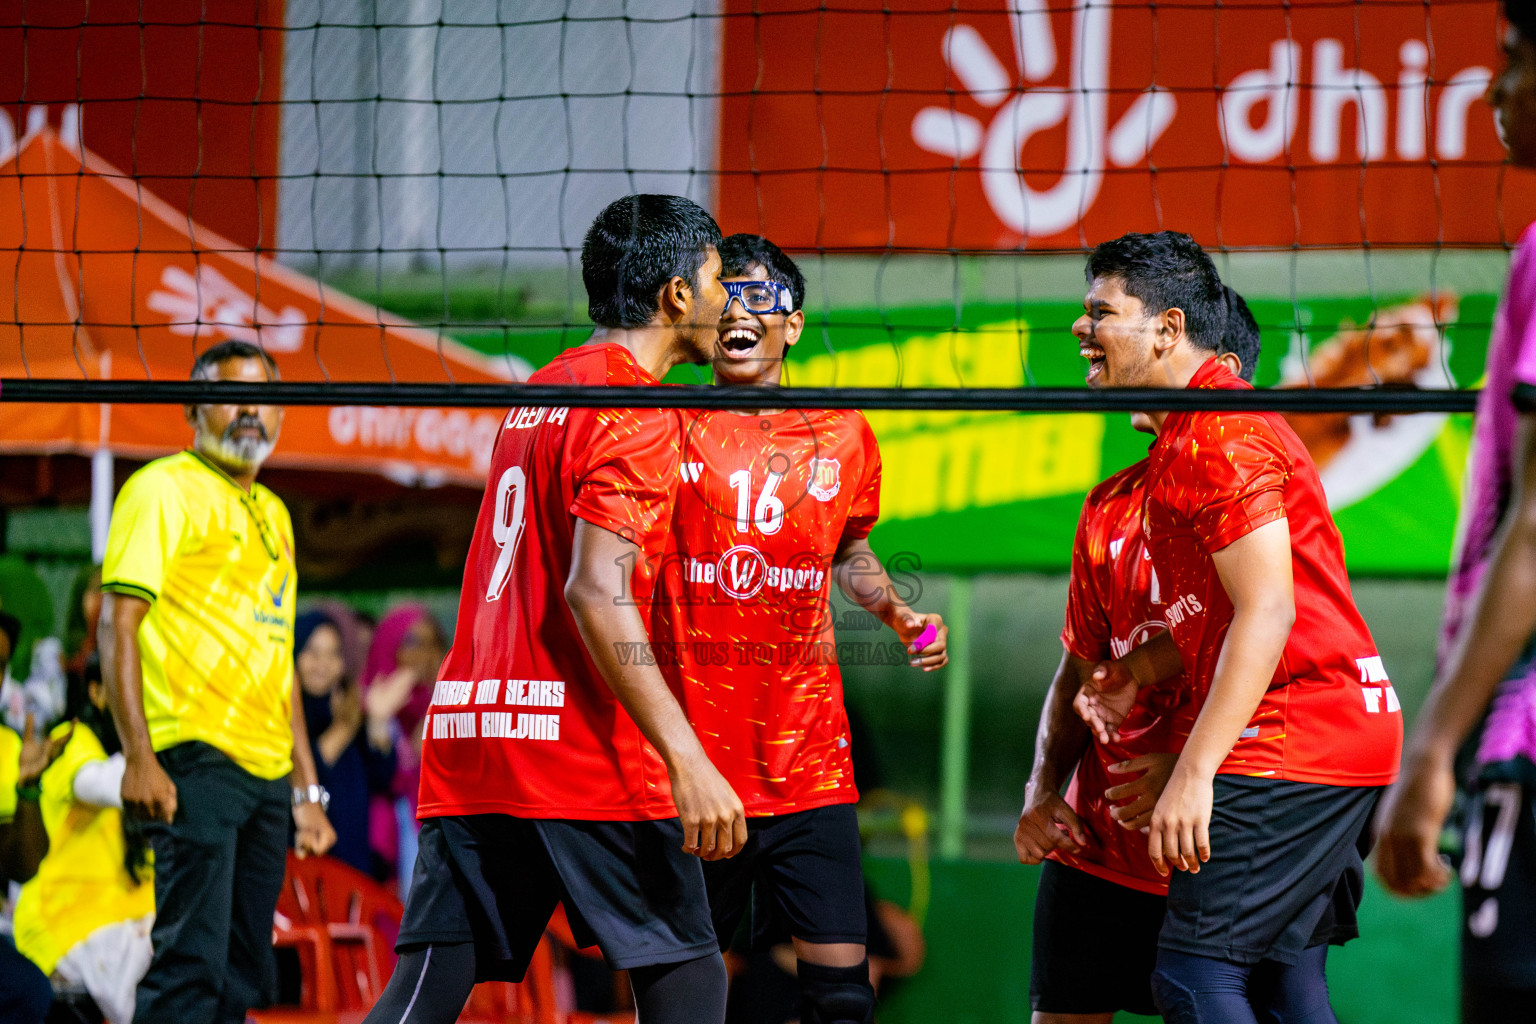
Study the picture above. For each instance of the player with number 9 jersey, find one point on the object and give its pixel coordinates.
(521, 722)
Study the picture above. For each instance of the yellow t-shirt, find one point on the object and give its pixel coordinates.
(10, 772)
(82, 884)
(216, 563)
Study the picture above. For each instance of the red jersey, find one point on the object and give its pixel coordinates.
(742, 619)
(1330, 715)
(1112, 607)
(521, 722)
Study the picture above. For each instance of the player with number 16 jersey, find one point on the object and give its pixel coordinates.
(768, 499)
(774, 506)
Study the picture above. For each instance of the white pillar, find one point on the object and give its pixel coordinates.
(101, 499)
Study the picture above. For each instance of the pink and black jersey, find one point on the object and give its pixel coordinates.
(521, 723)
(1509, 389)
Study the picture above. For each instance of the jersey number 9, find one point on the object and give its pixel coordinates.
(507, 527)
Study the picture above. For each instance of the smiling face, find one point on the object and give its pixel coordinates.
(750, 347)
(1513, 96)
(1116, 336)
(320, 664)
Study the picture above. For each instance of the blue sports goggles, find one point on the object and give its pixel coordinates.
(759, 296)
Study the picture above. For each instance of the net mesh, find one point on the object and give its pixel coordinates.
(319, 177)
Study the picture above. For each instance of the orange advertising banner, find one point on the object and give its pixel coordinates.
(1043, 124)
(103, 280)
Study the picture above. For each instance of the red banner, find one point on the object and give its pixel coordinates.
(182, 96)
(1000, 124)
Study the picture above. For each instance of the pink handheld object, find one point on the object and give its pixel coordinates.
(929, 634)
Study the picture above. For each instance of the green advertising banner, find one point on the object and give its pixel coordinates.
(976, 492)
(992, 492)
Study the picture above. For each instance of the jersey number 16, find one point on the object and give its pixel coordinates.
(768, 516)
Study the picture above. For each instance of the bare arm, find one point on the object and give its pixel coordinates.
(1048, 821)
(346, 720)
(860, 574)
(24, 842)
(1498, 626)
(147, 790)
(1256, 571)
(714, 822)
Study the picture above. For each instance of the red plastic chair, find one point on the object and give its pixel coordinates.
(558, 933)
(318, 992)
(360, 918)
(531, 1001)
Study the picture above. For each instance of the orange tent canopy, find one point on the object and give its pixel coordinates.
(99, 279)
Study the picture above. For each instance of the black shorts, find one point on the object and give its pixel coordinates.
(1498, 887)
(494, 880)
(1095, 944)
(1286, 872)
(802, 872)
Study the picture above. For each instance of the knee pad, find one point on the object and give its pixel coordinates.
(1190, 989)
(835, 995)
(1174, 1000)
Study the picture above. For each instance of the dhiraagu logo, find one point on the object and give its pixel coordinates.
(937, 462)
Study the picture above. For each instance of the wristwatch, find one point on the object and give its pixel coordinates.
(32, 791)
(312, 794)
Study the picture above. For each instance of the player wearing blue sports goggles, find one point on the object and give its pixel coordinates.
(759, 297)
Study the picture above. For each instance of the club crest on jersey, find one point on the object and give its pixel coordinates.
(742, 571)
(826, 478)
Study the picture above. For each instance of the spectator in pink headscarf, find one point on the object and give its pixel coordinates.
(403, 660)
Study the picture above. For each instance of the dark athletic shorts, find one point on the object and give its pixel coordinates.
(1286, 872)
(1498, 888)
(801, 871)
(494, 880)
(1095, 944)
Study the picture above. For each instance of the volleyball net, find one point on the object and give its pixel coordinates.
(390, 199)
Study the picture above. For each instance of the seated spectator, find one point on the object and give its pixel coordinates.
(83, 616)
(25, 994)
(353, 737)
(407, 650)
(85, 917)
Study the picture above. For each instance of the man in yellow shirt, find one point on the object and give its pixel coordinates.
(196, 642)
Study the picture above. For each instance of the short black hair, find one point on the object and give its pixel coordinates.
(1522, 15)
(10, 625)
(1242, 336)
(636, 245)
(1167, 270)
(202, 367)
(740, 253)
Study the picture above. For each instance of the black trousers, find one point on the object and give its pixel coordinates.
(218, 872)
